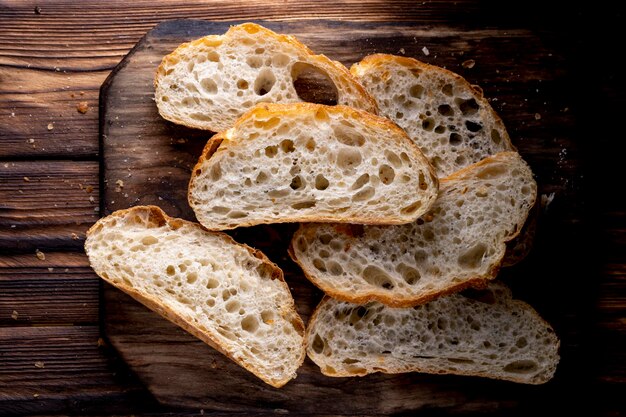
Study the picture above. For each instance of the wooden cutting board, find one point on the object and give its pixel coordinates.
(146, 160)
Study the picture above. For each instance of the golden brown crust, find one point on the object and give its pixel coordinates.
(159, 219)
(412, 63)
(227, 138)
(216, 40)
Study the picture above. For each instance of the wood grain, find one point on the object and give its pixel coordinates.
(153, 159)
(51, 369)
(60, 290)
(43, 203)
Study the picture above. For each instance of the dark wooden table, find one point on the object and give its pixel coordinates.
(54, 56)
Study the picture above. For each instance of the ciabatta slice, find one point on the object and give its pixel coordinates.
(308, 162)
(210, 82)
(460, 242)
(448, 118)
(485, 333)
(227, 294)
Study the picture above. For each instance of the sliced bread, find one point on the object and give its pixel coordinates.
(460, 242)
(308, 162)
(210, 82)
(485, 333)
(228, 295)
(448, 118)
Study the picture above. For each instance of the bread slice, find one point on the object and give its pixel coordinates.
(485, 333)
(448, 118)
(228, 295)
(308, 162)
(210, 82)
(460, 242)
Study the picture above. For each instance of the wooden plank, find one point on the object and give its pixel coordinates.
(159, 156)
(42, 203)
(61, 289)
(39, 115)
(48, 369)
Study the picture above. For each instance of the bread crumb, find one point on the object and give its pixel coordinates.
(39, 364)
(40, 255)
(88, 189)
(74, 236)
(537, 116)
(92, 199)
(26, 179)
(119, 184)
(50, 269)
(546, 199)
(401, 51)
(82, 107)
(425, 51)
(469, 64)
(96, 209)
(50, 126)
(36, 395)
(101, 342)
(15, 315)
(82, 93)
(31, 140)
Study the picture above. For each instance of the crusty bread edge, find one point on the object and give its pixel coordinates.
(181, 320)
(522, 304)
(408, 62)
(478, 281)
(271, 109)
(216, 40)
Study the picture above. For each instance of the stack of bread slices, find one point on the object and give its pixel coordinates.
(407, 190)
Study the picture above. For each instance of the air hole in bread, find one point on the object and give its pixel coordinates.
(348, 136)
(386, 174)
(254, 61)
(264, 82)
(280, 60)
(213, 56)
(149, 240)
(287, 146)
(170, 270)
(521, 367)
(310, 145)
(313, 85)
(495, 136)
(271, 151)
(321, 183)
(242, 85)
(319, 265)
(348, 158)
(416, 91)
(303, 205)
(422, 182)
(297, 182)
(259, 51)
(411, 208)
(393, 159)
(428, 124)
(318, 344)
(491, 172)
(440, 129)
(472, 126)
(468, 107)
(232, 306)
(377, 277)
(445, 110)
(473, 257)
(165, 99)
(237, 215)
(250, 324)
(455, 139)
(361, 181)
(208, 85)
(267, 316)
(409, 274)
(335, 268)
(447, 89)
(364, 194)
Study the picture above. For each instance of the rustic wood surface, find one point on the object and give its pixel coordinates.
(56, 353)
